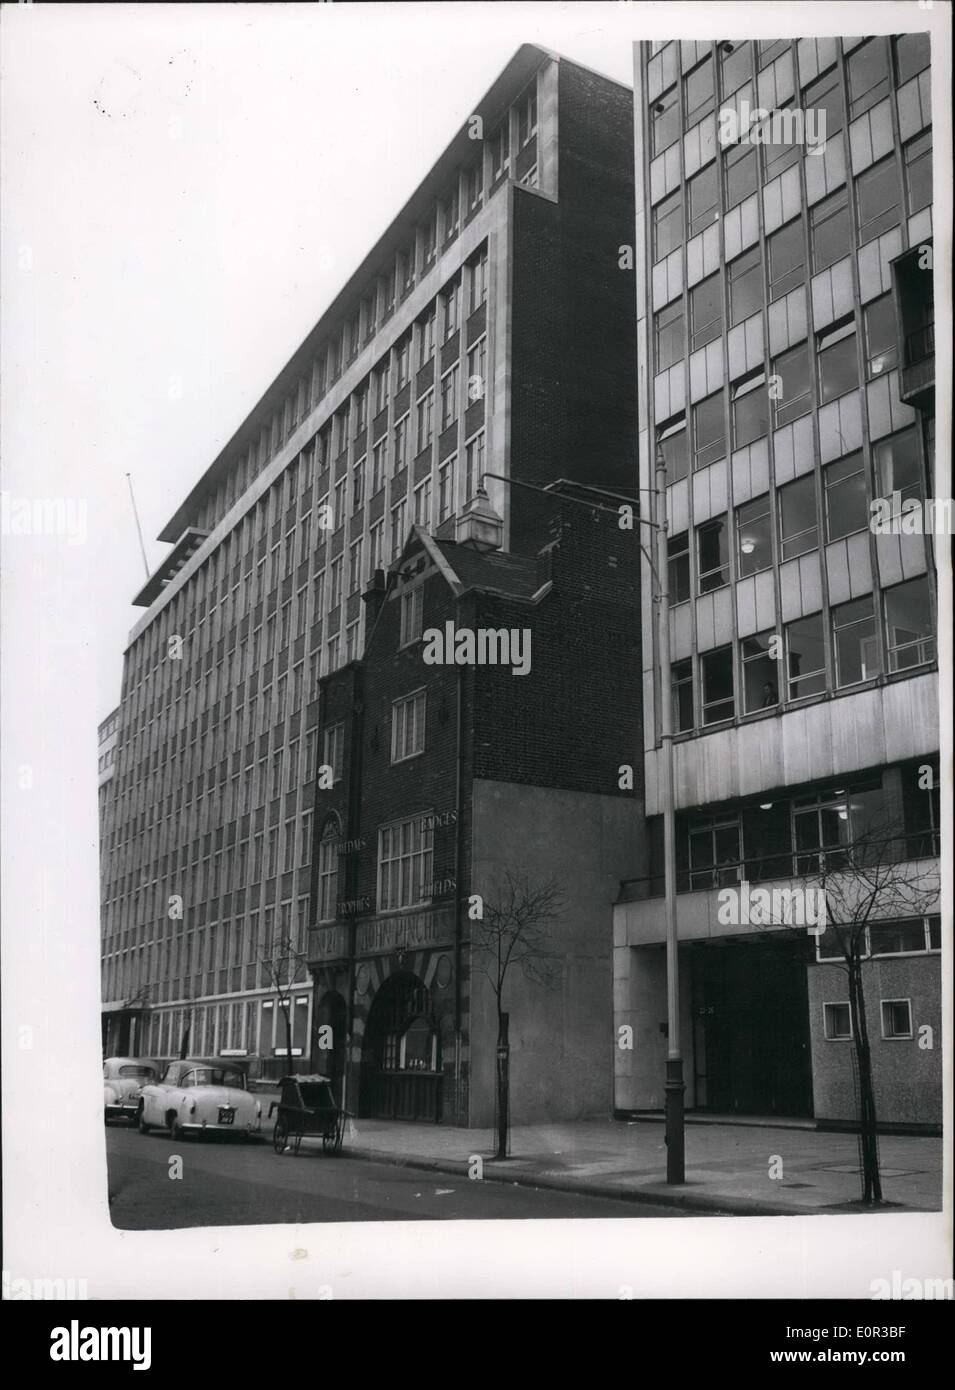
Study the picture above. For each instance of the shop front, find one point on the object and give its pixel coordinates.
(405, 1059)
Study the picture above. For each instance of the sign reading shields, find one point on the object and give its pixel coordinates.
(407, 932)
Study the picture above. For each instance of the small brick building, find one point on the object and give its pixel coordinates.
(444, 777)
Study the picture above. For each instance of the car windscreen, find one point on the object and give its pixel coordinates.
(138, 1072)
(213, 1076)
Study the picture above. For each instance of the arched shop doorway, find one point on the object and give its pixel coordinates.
(328, 1039)
(401, 1063)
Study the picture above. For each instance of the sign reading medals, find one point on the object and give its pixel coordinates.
(408, 932)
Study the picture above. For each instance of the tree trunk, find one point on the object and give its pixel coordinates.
(287, 1011)
(871, 1180)
(503, 1083)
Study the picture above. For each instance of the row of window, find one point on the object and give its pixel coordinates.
(869, 72)
(895, 1016)
(886, 817)
(405, 865)
(768, 668)
(878, 206)
(460, 203)
(845, 512)
(825, 369)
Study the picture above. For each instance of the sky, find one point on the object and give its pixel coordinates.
(186, 187)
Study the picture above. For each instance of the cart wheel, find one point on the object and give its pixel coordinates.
(332, 1141)
(280, 1135)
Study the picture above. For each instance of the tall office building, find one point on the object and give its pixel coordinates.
(786, 395)
(489, 331)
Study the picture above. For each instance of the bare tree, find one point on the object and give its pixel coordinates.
(861, 884)
(282, 962)
(514, 932)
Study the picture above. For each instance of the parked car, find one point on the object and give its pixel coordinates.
(200, 1095)
(123, 1081)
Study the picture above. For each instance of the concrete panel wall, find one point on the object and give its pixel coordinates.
(561, 1038)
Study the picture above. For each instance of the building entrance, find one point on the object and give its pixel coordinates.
(751, 1026)
(401, 1068)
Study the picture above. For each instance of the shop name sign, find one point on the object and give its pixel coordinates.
(404, 933)
(329, 943)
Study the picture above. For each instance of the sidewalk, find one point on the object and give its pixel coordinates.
(727, 1165)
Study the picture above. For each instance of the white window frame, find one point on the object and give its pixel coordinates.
(415, 846)
(412, 615)
(408, 725)
(833, 1004)
(896, 1037)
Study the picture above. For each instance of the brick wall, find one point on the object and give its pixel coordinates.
(573, 409)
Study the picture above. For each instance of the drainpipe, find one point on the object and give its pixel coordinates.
(458, 873)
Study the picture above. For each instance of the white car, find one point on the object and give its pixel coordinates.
(199, 1096)
(123, 1081)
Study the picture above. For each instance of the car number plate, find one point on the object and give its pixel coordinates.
(226, 1116)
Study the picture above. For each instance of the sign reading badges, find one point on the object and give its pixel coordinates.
(408, 932)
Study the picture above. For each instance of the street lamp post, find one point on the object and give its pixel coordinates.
(673, 1087)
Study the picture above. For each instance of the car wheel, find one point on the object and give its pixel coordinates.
(143, 1127)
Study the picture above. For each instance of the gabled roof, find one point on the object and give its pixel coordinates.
(512, 575)
(465, 569)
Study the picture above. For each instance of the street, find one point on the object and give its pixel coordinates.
(225, 1183)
